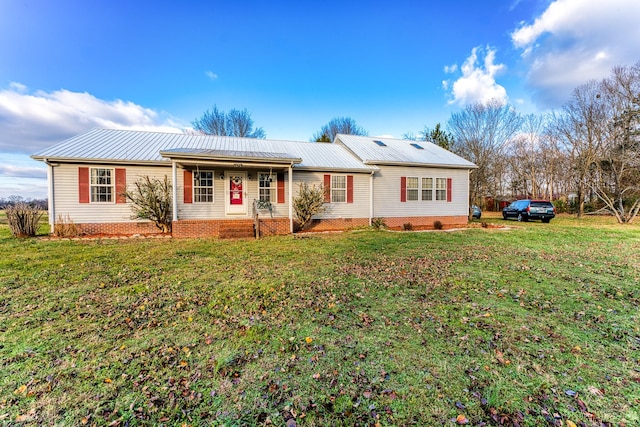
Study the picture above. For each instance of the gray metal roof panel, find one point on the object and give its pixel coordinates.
(400, 151)
(141, 146)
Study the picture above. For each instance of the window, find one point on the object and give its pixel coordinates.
(412, 188)
(267, 187)
(203, 186)
(101, 185)
(441, 188)
(418, 146)
(427, 188)
(380, 143)
(338, 188)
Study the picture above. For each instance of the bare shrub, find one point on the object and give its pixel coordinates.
(378, 223)
(437, 225)
(65, 227)
(310, 202)
(151, 199)
(407, 226)
(24, 219)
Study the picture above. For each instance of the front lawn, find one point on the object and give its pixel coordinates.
(534, 325)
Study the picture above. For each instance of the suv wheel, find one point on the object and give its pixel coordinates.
(504, 215)
(520, 218)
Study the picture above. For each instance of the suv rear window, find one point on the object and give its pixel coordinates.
(542, 204)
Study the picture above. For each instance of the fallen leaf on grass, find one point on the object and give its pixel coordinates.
(595, 391)
(461, 419)
(571, 424)
(21, 390)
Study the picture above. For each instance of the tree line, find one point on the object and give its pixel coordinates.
(585, 155)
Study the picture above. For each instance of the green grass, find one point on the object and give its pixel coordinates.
(362, 328)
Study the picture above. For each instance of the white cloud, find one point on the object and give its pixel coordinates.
(30, 122)
(449, 69)
(212, 75)
(478, 80)
(574, 41)
(22, 172)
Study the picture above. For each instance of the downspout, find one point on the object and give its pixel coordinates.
(50, 203)
(291, 198)
(371, 198)
(174, 189)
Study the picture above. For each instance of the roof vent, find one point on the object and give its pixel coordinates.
(418, 146)
(380, 143)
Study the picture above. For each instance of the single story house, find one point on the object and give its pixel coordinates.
(218, 182)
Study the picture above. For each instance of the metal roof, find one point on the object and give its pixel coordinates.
(201, 153)
(129, 146)
(401, 152)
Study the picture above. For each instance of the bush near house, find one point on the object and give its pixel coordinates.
(529, 326)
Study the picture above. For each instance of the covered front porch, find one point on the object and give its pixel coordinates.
(220, 193)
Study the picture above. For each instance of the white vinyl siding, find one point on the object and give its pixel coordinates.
(386, 199)
(66, 193)
(358, 209)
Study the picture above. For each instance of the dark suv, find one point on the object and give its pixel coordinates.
(524, 210)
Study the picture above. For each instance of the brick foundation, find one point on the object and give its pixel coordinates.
(194, 228)
(117, 228)
(426, 222)
(336, 224)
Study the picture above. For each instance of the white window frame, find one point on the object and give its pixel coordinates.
(413, 190)
(441, 189)
(93, 177)
(338, 192)
(199, 195)
(269, 190)
(428, 188)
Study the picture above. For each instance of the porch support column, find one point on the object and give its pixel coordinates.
(51, 208)
(371, 199)
(291, 198)
(174, 189)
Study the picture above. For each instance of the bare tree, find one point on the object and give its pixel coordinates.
(619, 166)
(436, 136)
(234, 123)
(480, 134)
(343, 125)
(581, 128)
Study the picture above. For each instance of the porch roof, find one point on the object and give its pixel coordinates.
(231, 155)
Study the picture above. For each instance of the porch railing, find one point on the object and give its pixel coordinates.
(260, 205)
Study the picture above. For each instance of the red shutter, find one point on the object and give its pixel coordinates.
(188, 187)
(449, 185)
(349, 188)
(121, 185)
(83, 185)
(280, 189)
(403, 188)
(327, 188)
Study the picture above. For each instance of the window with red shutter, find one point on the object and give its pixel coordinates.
(121, 185)
(449, 189)
(403, 189)
(349, 188)
(327, 188)
(188, 187)
(280, 190)
(83, 185)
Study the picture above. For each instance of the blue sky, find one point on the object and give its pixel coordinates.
(393, 66)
